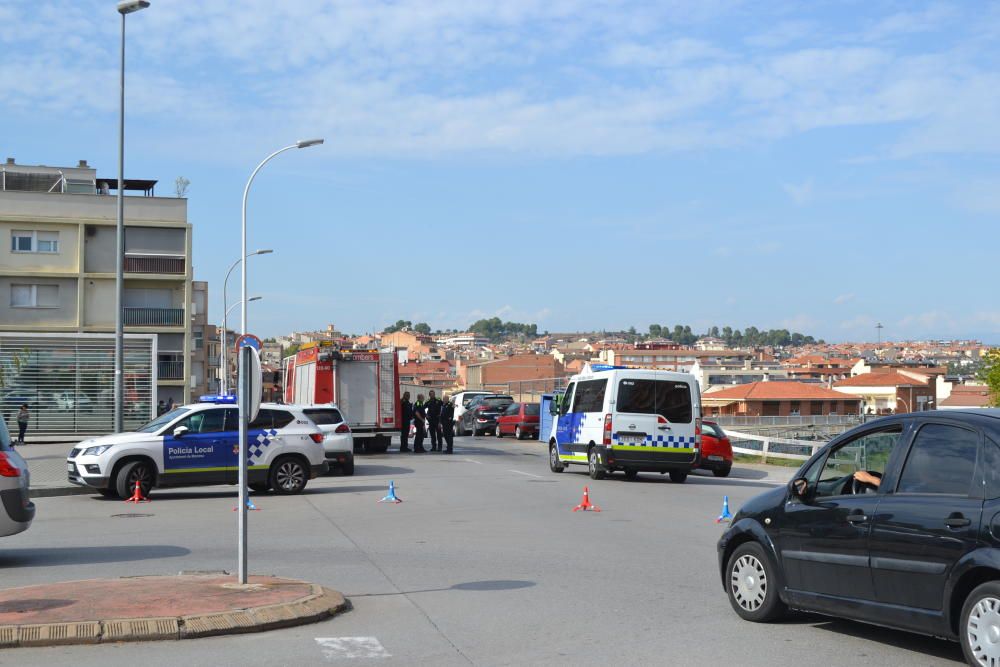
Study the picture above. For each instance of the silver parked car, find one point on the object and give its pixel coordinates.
(16, 508)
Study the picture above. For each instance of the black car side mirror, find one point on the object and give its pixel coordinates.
(799, 487)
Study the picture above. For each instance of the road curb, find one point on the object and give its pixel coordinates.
(53, 491)
(321, 603)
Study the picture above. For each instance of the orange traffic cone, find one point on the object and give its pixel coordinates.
(137, 496)
(586, 505)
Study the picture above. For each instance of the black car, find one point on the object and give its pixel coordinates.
(481, 415)
(896, 523)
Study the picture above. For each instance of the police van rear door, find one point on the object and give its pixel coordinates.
(654, 411)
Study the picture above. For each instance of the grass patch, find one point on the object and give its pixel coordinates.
(772, 461)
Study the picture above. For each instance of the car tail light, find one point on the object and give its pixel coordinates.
(697, 433)
(607, 429)
(8, 469)
(316, 437)
(343, 428)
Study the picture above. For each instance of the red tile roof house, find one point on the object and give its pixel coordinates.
(778, 399)
(966, 396)
(886, 391)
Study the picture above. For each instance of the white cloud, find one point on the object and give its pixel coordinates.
(843, 298)
(801, 193)
(541, 77)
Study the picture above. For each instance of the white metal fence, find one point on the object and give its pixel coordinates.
(767, 446)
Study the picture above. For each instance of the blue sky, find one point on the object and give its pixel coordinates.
(580, 164)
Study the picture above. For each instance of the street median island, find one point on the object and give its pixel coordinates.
(151, 608)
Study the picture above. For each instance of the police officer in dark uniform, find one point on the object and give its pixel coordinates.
(448, 423)
(420, 423)
(406, 414)
(434, 421)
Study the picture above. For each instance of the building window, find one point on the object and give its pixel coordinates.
(31, 241)
(794, 409)
(34, 296)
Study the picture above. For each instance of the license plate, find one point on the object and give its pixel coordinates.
(71, 467)
(714, 457)
(632, 439)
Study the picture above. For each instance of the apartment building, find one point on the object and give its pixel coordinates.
(57, 264)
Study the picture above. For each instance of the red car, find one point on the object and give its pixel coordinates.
(519, 420)
(716, 450)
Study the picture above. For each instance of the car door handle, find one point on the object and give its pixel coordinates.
(857, 517)
(956, 520)
(664, 428)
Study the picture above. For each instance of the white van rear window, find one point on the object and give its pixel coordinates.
(656, 397)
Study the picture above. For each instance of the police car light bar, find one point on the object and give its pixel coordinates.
(606, 367)
(218, 398)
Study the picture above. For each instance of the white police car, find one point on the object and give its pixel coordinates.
(196, 445)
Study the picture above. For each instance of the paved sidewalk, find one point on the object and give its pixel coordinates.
(47, 465)
(152, 608)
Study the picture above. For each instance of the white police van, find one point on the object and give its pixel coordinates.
(615, 418)
(197, 444)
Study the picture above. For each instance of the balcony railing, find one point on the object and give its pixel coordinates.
(170, 370)
(154, 317)
(154, 264)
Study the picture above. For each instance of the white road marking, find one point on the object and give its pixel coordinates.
(336, 648)
(529, 474)
(473, 461)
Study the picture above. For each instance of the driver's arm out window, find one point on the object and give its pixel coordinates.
(869, 452)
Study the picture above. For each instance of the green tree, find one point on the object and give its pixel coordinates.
(655, 330)
(990, 374)
(422, 328)
(398, 326)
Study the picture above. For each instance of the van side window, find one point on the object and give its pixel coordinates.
(590, 396)
(567, 399)
(991, 468)
(656, 397)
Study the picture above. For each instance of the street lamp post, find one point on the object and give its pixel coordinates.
(225, 312)
(244, 368)
(224, 359)
(124, 7)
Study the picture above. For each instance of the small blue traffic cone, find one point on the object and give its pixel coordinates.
(726, 516)
(250, 506)
(391, 498)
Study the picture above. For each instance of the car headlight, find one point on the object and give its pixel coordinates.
(96, 451)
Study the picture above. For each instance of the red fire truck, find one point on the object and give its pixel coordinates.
(363, 383)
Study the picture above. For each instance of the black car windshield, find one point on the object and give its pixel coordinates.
(162, 420)
(497, 401)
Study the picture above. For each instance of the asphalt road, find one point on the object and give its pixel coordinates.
(484, 563)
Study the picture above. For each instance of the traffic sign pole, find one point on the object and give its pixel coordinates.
(244, 405)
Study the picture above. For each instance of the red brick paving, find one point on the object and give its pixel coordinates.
(142, 597)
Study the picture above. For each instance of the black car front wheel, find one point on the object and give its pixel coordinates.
(979, 627)
(752, 585)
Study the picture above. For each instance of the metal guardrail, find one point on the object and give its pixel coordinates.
(806, 420)
(153, 317)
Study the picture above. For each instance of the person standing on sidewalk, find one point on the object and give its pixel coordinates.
(448, 423)
(23, 416)
(434, 421)
(406, 414)
(420, 424)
